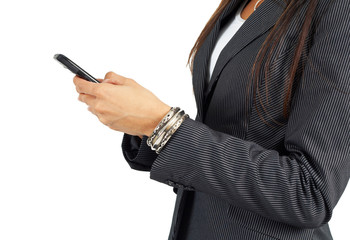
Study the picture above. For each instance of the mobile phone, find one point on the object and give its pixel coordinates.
(74, 68)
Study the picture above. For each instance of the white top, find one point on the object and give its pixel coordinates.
(225, 36)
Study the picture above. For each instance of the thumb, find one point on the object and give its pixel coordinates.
(116, 81)
(112, 77)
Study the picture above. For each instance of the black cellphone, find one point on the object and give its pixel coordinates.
(74, 68)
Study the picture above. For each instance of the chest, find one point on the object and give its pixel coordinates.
(231, 107)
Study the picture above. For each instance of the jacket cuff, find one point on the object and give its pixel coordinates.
(137, 153)
(169, 167)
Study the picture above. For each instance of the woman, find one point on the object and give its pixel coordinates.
(268, 155)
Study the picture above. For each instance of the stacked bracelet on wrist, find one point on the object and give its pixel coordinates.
(166, 128)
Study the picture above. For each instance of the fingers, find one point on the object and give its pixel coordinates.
(88, 99)
(92, 110)
(83, 86)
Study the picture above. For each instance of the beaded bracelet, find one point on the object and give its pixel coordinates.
(166, 128)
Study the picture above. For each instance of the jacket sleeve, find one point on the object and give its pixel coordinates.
(300, 186)
(137, 153)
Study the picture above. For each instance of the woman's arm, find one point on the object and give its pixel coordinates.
(300, 187)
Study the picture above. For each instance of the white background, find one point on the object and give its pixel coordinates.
(62, 173)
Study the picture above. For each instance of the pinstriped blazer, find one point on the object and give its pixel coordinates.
(237, 177)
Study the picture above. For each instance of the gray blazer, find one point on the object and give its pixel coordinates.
(239, 178)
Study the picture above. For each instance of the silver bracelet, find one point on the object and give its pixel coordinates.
(171, 132)
(166, 128)
(161, 124)
(160, 135)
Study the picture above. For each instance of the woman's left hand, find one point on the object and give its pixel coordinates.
(122, 104)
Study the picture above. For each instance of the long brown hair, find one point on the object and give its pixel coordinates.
(281, 26)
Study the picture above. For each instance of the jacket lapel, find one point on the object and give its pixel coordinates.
(201, 61)
(257, 24)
